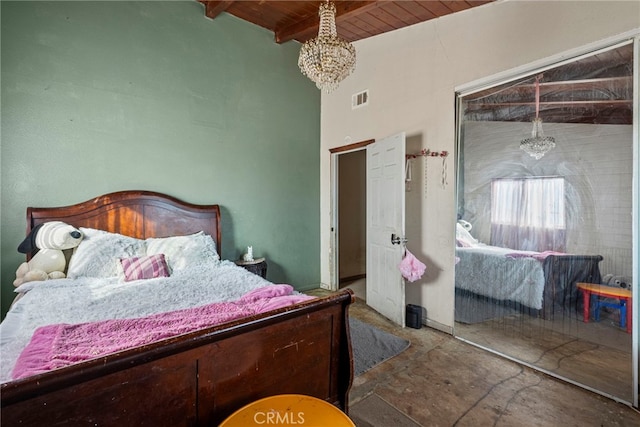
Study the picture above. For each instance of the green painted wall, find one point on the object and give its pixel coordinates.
(108, 96)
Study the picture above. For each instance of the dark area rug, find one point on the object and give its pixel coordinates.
(372, 346)
(373, 411)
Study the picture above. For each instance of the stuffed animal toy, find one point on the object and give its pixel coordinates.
(48, 241)
(465, 224)
(617, 281)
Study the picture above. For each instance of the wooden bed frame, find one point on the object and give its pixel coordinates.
(562, 274)
(196, 379)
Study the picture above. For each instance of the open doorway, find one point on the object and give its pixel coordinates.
(368, 210)
(350, 229)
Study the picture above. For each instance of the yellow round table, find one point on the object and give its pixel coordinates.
(287, 410)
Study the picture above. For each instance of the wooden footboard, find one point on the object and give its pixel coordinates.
(198, 379)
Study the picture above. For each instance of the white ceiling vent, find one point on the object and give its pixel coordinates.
(360, 99)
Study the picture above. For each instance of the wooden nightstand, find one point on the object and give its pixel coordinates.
(257, 266)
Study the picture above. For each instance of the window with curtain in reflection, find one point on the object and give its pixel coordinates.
(528, 214)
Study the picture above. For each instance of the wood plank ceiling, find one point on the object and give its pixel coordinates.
(595, 89)
(601, 94)
(355, 20)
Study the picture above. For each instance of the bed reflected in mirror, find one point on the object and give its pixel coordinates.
(542, 211)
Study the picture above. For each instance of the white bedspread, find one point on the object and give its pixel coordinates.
(88, 299)
(486, 270)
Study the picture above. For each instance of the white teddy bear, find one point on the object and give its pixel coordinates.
(51, 238)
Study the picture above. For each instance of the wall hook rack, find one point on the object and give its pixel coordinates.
(426, 152)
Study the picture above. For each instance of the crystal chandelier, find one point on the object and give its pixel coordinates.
(327, 59)
(538, 145)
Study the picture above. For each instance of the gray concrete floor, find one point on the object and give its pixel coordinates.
(443, 381)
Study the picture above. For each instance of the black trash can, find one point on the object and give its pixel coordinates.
(414, 316)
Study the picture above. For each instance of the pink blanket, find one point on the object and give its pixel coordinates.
(56, 346)
(540, 256)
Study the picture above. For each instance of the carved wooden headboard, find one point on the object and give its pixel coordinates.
(139, 214)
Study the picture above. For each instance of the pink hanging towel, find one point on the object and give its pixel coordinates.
(411, 267)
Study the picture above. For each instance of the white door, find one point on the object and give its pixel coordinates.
(385, 217)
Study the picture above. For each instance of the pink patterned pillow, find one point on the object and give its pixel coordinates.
(144, 267)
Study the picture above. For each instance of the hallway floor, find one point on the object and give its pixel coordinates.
(442, 381)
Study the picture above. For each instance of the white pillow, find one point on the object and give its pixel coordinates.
(463, 235)
(184, 251)
(98, 252)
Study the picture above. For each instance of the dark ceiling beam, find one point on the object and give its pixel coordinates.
(542, 103)
(603, 83)
(611, 115)
(215, 8)
(308, 28)
(492, 106)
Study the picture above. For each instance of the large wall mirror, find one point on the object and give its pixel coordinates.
(544, 211)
